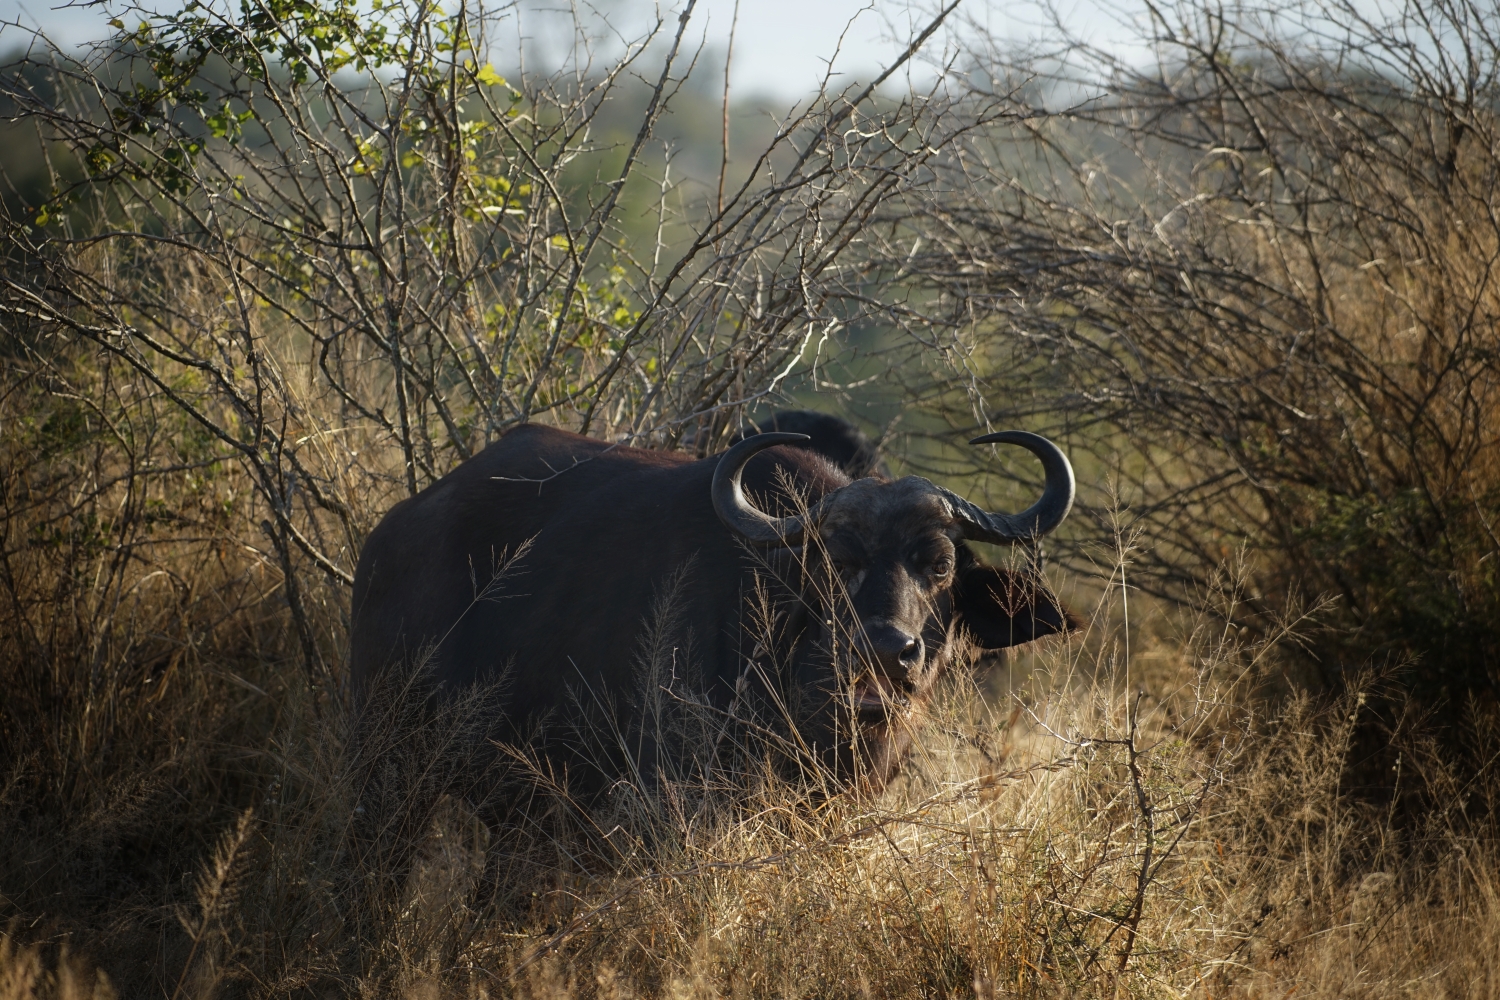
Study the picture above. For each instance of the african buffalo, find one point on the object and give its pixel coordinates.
(836, 613)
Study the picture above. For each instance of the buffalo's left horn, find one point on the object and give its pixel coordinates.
(740, 515)
(1036, 520)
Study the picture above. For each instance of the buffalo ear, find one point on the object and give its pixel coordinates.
(1003, 608)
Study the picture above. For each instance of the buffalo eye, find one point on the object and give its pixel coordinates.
(942, 566)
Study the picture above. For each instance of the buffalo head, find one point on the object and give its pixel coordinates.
(887, 585)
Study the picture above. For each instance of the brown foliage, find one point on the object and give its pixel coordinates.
(1261, 268)
(200, 418)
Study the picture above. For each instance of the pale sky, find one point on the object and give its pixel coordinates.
(781, 46)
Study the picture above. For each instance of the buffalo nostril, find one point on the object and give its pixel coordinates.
(893, 650)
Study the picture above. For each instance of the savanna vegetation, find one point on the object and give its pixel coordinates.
(268, 270)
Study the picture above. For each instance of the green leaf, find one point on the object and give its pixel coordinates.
(489, 77)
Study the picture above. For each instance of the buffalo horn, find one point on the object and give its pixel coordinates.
(1038, 519)
(739, 514)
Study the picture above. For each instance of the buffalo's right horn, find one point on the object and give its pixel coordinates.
(740, 515)
(1038, 519)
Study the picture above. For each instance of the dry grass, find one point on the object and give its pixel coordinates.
(1126, 813)
(187, 810)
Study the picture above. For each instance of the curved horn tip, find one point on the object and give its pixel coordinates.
(1049, 511)
(1007, 437)
(730, 503)
(732, 462)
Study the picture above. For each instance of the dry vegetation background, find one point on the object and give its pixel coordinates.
(267, 272)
